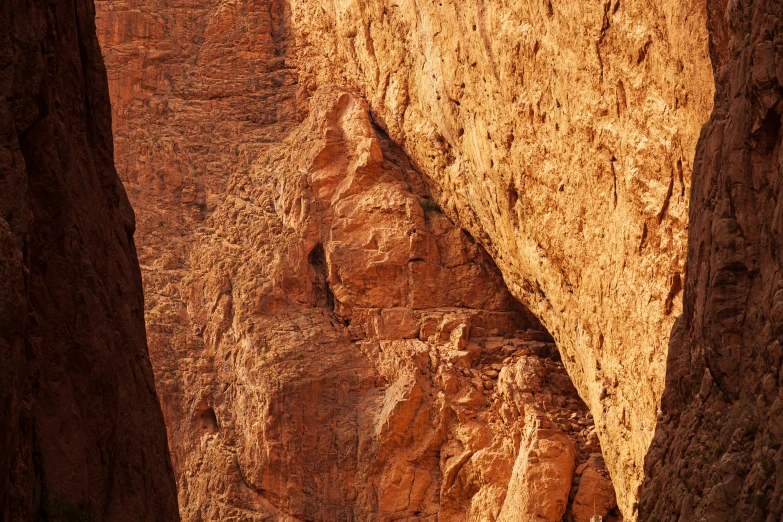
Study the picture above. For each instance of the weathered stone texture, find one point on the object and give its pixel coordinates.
(561, 135)
(81, 431)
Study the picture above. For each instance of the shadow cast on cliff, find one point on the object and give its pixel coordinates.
(716, 451)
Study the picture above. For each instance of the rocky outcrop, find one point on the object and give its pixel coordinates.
(716, 455)
(352, 355)
(327, 344)
(81, 431)
(561, 136)
(498, 131)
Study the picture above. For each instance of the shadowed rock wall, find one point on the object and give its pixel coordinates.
(716, 455)
(81, 431)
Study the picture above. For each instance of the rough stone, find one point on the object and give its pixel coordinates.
(81, 431)
(561, 136)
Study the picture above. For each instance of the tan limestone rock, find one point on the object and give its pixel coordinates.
(561, 135)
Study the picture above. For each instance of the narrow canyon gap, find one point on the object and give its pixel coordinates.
(512, 114)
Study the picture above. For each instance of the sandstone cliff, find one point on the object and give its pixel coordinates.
(560, 135)
(249, 326)
(81, 431)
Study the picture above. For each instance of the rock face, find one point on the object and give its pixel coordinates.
(358, 356)
(326, 341)
(81, 431)
(716, 455)
(561, 136)
(331, 347)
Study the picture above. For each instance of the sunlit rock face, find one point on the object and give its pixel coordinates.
(561, 135)
(276, 218)
(328, 344)
(81, 431)
(359, 356)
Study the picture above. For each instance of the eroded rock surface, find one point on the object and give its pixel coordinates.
(328, 345)
(348, 353)
(561, 135)
(716, 455)
(81, 432)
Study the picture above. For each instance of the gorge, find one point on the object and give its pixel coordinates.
(401, 260)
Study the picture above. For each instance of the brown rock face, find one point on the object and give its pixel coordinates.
(716, 455)
(330, 346)
(81, 431)
(560, 134)
(334, 348)
(361, 358)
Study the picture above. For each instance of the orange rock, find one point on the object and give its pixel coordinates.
(561, 135)
(595, 496)
(541, 479)
(333, 363)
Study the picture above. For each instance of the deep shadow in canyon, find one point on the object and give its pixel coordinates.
(81, 432)
(716, 454)
(328, 342)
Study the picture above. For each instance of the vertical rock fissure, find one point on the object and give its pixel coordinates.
(324, 297)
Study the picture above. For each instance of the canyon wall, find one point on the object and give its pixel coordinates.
(195, 95)
(716, 455)
(81, 431)
(561, 136)
(327, 344)
(358, 357)
(303, 336)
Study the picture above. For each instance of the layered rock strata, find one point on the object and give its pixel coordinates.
(716, 455)
(81, 432)
(561, 135)
(350, 354)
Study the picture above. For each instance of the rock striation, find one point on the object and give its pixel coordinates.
(81, 431)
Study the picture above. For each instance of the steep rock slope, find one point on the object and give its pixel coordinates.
(81, 432)
(352, 355)
(717, 454)
(561, 135)
(413, 385)
(195, 93)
